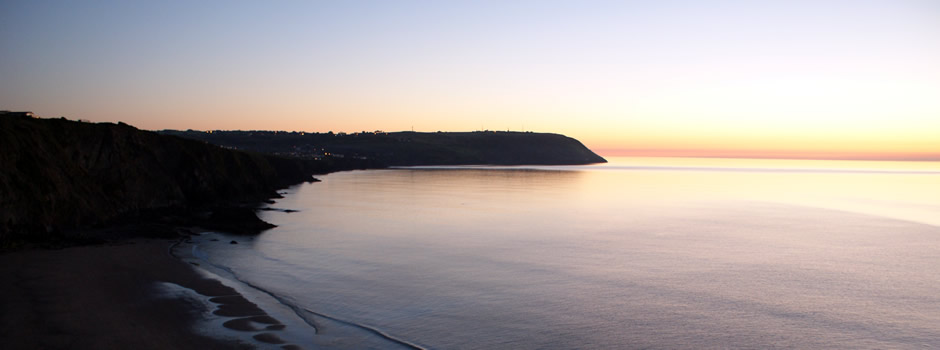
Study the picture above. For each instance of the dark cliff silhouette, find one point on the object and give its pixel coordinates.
(58, 174)
(411, 148)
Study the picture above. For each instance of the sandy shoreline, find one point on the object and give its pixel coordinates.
(108, 297)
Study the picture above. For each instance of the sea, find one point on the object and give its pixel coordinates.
(637, 253)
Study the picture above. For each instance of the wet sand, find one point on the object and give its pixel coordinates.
(106, 297)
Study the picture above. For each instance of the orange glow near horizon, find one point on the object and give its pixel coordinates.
(696, 139)
(887, 144)
(822, 155)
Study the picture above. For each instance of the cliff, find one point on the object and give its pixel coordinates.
(57, 174)
(412, 148)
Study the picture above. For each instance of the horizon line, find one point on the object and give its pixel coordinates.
(770, 154)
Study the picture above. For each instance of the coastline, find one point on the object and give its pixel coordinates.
(129, 294)
(306, 327)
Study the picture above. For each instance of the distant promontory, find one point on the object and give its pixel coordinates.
(409, 148)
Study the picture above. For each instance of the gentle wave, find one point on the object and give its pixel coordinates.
(300, 311)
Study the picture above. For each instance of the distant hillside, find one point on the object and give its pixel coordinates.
(411, 148)
(59, 174)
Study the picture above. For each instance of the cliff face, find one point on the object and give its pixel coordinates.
(58, 174)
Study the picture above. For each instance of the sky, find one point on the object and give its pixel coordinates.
(790, 79)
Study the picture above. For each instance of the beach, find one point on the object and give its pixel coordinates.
(114, 295)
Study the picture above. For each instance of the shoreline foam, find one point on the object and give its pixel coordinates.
(324, 330)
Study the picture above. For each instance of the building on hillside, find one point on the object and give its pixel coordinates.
(9, 114)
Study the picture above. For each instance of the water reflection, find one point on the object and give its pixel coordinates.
(901, 190)
(636, 253)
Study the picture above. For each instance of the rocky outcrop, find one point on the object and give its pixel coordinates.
(58, 174)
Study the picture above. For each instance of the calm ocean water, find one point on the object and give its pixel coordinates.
(641, 253)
